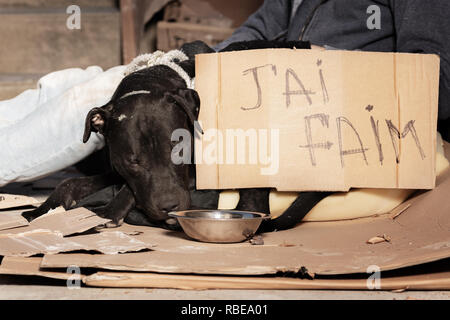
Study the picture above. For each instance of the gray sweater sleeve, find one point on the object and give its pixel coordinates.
(423, 27)
(270, 20)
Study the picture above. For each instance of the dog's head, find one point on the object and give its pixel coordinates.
(138, 123)
(138, 129)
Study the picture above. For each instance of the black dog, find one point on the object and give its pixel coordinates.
(137, 124)
(137, 130)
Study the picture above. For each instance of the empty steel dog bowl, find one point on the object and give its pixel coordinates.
(224, 226)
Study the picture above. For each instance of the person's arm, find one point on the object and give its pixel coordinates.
(424, 27)
(270, 20)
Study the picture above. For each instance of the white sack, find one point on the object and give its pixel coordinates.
(41, 130)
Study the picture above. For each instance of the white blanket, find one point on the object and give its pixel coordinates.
(41, 130)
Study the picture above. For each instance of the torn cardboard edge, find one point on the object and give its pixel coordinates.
(68, 222)
(51, 212)
(39, 241)
(331, 120)
(31, 267)
(46, 235)
(64, 222)
(11, 220)
(9, 201)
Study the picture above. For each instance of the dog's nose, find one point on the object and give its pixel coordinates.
(170, 206)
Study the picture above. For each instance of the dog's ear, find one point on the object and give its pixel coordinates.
(96, 121)
(188, 100)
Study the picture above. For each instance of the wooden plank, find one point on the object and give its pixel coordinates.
(129, 37)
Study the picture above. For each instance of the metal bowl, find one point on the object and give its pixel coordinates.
(223, 226)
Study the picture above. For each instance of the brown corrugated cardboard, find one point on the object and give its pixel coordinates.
(418, 232)
(418, 235)
(60, 221)
(316, 120)
(8, 201)
(46, 235)
(12, 219)
(434, 281)
(31, 267)
(32, 242)
(51, 242)
(69, 222)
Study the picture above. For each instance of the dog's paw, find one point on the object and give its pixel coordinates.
(114, 224)
(29, 215)
(106, 214)
(110, 225)
(33, 214)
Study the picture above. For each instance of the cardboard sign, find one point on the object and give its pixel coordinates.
(300, 120)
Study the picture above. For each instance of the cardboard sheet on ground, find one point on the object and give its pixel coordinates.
(68, 222)
(417, 233)
(50, 242)
(435, 280)
(300, 120)
(8, 201)
(12, 219)
(60, 221)
(30, 266)
(47, 235)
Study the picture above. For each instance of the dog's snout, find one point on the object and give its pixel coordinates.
(169, 206)
(163, 201)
